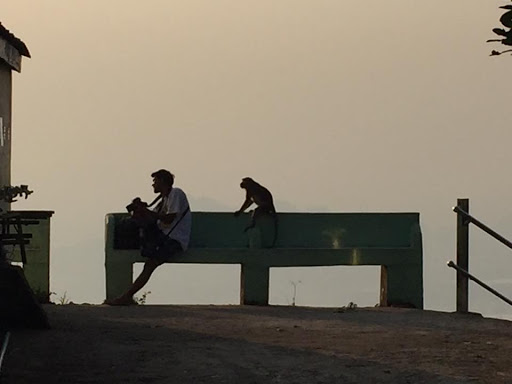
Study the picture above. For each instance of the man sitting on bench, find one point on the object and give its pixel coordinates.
(165, 230)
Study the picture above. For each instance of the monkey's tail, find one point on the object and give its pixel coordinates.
(276, 226)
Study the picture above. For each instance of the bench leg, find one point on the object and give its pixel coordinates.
(402, 285)
(254, 285)
(118, 278)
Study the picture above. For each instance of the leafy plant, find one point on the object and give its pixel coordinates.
(64, 299)
(294, 284)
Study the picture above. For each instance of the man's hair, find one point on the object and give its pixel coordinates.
(164, 175)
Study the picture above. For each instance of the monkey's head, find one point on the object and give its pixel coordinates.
(246, 183)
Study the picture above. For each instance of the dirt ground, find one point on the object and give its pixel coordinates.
(240, 344)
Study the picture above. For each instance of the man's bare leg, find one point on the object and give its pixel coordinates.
(127, 298)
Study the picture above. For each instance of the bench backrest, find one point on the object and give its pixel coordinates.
(307, 230)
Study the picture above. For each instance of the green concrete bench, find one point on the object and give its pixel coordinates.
(390, 240)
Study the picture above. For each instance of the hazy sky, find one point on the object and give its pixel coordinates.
(335, 106)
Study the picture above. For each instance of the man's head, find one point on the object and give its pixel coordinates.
(163, 181)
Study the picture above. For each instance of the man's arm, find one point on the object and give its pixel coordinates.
(166, 218)
(145, 213)
(177, 205)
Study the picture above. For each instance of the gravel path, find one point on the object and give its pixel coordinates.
(241, 344)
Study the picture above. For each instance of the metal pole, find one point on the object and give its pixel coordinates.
(4, 348)
(482, 226)
(482, 284)
(462, 257)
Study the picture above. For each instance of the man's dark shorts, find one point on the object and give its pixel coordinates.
(157, 246)
(166, 252)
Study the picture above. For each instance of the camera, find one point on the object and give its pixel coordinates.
(136, 203)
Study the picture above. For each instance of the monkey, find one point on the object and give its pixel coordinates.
(261, 196)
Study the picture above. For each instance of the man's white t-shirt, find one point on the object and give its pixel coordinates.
(176, 202)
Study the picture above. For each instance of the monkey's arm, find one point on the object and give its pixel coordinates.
(246, 204)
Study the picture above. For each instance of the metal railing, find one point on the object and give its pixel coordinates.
(482, 226)
(451, 264)
(462, 265)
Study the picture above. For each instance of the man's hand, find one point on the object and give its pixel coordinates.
(143, 214)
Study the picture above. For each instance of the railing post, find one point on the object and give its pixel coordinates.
(462, 257)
